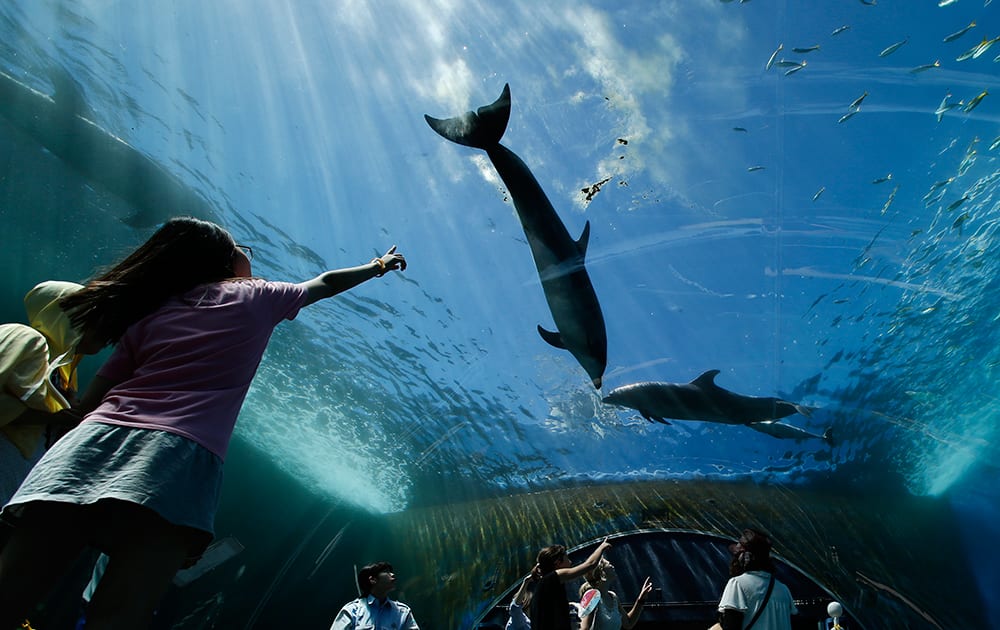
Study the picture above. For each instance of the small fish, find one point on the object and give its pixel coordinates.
(956, 204)
(840, 29)
(848, 116)
(795, 69)
(807, 49)
(926, 66)
(891, 49)
(996, 143)
(972, 51)
(870, 3)
(743, 129)
(972, 104)
(960, 220)
(967, 163)
(892, 197)
(945, 107)
(938, 185)
(882, 180)
(819, 192)
(958, 34)
(770, 61)
(984, 46)
(944, 3)
(788, 63)
(751, 169)
(856, 103)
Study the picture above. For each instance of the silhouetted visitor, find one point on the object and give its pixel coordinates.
(550, 608)
(600, 608)
(517, 615)
(374, 610)
(752, 597)
(139, 478)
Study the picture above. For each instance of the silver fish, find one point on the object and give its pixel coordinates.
(972, 104)
(945, 107)
(795, 69)
(972, 51)
(882, 180)
(807, 49)
(819, 192)
(944, 3)
(958, 34)
(996, 143)
(770, 61)
(856, 103)
(891, 49)
(983, 47)
(789, 63)
(926, 66)
(848, 116)
(956, 204)
(840, 29)
(751, 169)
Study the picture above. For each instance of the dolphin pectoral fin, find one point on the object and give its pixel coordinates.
(805, 411)
(584, 240)
(761, 426)
(828, 436)
(552, 338)
(481, 129)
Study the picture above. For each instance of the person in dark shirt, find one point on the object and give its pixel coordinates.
(550, 606)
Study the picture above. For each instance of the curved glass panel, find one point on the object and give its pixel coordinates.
(770, 225)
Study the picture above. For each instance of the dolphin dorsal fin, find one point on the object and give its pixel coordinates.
(584, 240)
(707, 379)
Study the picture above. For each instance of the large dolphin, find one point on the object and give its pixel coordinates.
(702, 399)
(62, 125)
(558, 258)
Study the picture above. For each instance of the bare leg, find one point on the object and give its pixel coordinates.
(38, 553)
(146, 554)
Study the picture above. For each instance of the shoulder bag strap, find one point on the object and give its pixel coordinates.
(767, 596)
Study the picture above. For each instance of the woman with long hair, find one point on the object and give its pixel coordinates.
(600, 608)
(139, 478)
(752, 597)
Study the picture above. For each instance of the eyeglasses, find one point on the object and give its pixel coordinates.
(246, 249)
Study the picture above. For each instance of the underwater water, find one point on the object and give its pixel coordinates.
(811, 210)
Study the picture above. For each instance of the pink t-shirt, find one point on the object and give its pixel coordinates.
(187, 367)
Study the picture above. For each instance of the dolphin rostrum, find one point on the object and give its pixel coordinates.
(558, 258)
(60, 123)
(702, 399)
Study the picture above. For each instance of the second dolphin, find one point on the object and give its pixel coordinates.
(558, 258)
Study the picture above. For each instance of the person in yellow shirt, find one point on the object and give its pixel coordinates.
(37, 381)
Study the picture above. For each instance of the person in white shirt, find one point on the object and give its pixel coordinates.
(374, 610)
(752, 597)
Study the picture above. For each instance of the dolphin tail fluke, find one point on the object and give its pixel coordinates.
(481, 129)
(552, 338)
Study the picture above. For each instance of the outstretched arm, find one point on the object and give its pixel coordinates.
(631, 617)
(331, 283)
(522, 594)
(571, 573)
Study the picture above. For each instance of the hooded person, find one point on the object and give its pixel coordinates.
(37, 379)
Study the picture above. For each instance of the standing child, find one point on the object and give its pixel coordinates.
(140, 477)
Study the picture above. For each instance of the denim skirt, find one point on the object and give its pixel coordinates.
(170, 474)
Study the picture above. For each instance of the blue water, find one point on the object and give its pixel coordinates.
(874, 302)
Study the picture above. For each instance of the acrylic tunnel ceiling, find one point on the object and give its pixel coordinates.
(801, 196)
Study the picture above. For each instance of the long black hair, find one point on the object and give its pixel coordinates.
(182, 254)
